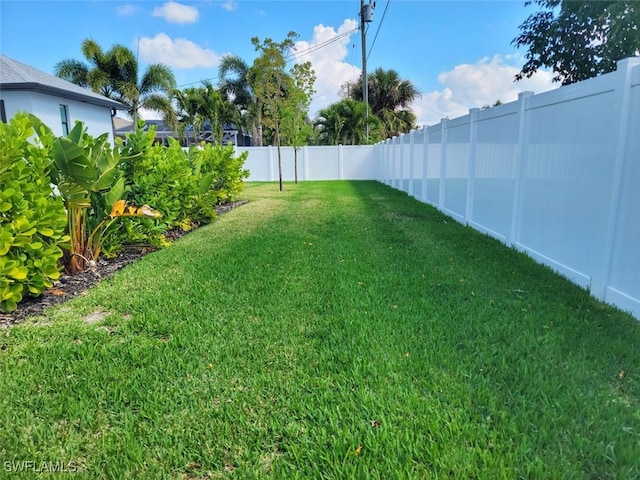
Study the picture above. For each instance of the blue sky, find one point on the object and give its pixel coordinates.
(457, 53)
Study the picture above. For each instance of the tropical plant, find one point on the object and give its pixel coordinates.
(221, 173)
(86, 172)
(236, 85)
(344, 122)
(159, 176)
(578, 39)
(218, 110)
(188, 108)
(390, 98)
(184, 186)
(115, 74)
(32, 218)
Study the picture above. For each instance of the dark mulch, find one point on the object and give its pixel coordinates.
(69, 286)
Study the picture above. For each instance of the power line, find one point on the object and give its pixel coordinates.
(320, 45)
(291, 56)
(386, 7)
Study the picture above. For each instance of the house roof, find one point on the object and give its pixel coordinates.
(15, 75)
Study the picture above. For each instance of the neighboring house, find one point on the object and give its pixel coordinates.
(230, 134)
(56, 102)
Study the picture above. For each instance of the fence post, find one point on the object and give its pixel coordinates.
(271, 176)
(401, 172)
(425, 161)
(471, 173)
(443, 161)
(519, 165)
(305, 162)
(382, 161)
(340, 162)
(600, 280)
(390, 162)
(411, 161)
(393, 162)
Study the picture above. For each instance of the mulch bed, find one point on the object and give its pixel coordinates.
(69, 286)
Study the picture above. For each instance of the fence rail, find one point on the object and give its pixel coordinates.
(556, 175)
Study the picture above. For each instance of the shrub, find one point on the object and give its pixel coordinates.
(162, 177)
(32, 218)
(225, 171)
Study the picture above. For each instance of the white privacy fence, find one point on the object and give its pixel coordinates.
(557, 175)
(314, 163)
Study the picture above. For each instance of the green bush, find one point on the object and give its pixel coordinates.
(161, 177)
(32, 218)
(225, 171)
(184, 186)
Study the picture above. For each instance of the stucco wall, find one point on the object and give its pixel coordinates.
(47, 108)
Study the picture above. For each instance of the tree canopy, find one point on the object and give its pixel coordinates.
(344, 123)
(578, 39)
(390, 99)
(115, 74)
(276, 90)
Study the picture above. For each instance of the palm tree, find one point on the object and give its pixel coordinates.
(218, 110)
(188, 103)
(344, 123)
(236, 85)
(115, 74)
(196, 106)
(390, 99)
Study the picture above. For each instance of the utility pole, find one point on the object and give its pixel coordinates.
(366, 16)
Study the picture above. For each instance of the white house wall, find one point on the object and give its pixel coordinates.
(47, 108)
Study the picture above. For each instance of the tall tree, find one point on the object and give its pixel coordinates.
(270, 83)
(296, 127)
(390, 100)
(189, 115)
(237, 86)
(115, 74)
(578, 39)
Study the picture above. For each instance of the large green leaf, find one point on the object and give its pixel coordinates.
(116, 192)
(105, 180)
(72, 162)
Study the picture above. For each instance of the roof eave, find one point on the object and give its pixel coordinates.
(38, 87)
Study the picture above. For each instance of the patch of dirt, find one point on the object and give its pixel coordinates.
(70, 286)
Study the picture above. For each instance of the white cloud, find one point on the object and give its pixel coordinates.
(126, 10)
(229, 5)
(178, 53)
(174, 12)
(327, 51)
(473, 86)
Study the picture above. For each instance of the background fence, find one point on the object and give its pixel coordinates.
(557, 175)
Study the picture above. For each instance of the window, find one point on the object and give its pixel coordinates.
(3, 112)
(64, 118)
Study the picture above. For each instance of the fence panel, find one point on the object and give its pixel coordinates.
(567, 177)
(433, 164)
(495, 172)
(456, 166)
(623, 285)
(360, 163)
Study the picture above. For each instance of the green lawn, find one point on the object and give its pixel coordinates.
(335, 330)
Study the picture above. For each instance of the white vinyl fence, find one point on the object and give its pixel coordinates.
(314, 163)
(556, 175)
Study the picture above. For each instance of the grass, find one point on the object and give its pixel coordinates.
(334, 330)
